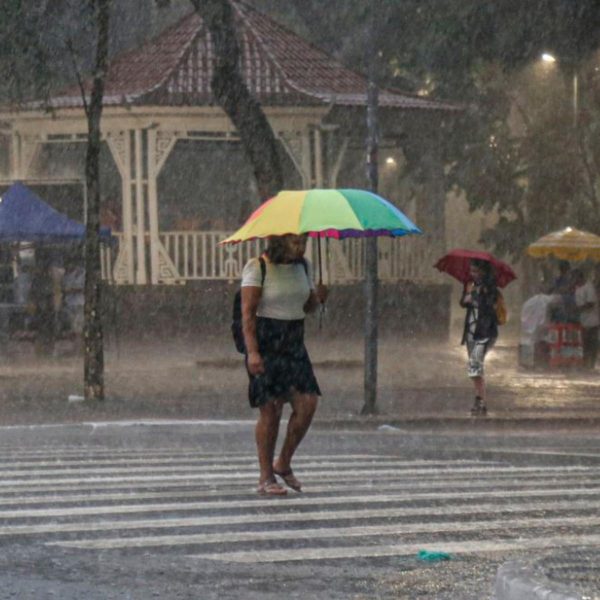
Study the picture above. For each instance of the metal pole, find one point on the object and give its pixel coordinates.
(575, 97)
(371, 254)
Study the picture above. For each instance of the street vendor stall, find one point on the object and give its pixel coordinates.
(25, 218)
(546, 340)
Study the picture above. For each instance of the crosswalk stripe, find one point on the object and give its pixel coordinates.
(102, 499)
(55, 498)
(316, 474)
(458, 547)
(214, 485)
(291, 502)
(173, 466)
(303, 517)
(324, 533)
(231, 462)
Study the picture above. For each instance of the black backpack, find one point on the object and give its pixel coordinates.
(236, 321)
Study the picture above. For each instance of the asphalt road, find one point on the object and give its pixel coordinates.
(169, 511)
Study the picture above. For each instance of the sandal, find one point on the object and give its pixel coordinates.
(270, 488)
(289, 479)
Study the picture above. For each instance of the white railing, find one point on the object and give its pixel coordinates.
(405, 258)
(196, 255)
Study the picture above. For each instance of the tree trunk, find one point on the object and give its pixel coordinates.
(92, 330)
(236, 100)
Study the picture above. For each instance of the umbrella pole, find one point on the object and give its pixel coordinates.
(321, 306)
(320, 260)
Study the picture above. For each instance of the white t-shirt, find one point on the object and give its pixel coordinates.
(585, 294)
(287, 288)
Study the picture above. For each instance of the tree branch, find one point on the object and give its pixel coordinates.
(241, 107)
(71, 50)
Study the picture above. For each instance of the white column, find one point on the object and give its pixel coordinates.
(306, 160)
(153, 207)
(15, 154)
(127, 180)
(318, 159)
(141, 277)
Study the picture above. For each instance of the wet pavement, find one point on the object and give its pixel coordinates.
(191, 393)
(169, 511)
(205, 379)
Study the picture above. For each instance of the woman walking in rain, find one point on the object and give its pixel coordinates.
(479, 297)
(277, 292)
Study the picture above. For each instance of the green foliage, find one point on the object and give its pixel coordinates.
(23, 60)
(514, 150)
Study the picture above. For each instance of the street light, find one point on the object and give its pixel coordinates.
(550, 59)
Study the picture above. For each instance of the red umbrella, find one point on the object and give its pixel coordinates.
(458, 261)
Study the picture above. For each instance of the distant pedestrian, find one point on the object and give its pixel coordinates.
(276, 295)
(479, 297)
(586, 300)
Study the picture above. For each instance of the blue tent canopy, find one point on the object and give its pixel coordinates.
(26, 218)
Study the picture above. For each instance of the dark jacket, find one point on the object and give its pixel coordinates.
(486, 325)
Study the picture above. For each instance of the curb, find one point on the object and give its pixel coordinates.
(473, 423)
(518, 581)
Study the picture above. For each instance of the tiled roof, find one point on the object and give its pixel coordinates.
(280, 68)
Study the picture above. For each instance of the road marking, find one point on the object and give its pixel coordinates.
(224, 493)
(220, 468)
(459, 547)
(291, 502)
(249, 482)
(324, 533)
(299, 517)
(315, 475)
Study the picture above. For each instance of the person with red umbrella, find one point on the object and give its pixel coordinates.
(479, 297)
(482, 274)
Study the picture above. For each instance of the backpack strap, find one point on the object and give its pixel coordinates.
(263, 270)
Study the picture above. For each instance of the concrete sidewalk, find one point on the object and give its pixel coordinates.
(419, 383)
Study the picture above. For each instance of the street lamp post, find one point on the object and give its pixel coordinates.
(549, 58)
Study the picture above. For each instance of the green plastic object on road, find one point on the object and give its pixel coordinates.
(433, 556)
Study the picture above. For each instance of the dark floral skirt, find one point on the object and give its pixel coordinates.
(287, 364)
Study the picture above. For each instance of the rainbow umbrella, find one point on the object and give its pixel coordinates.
(321, 213)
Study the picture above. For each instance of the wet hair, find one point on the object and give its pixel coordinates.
(276, 249)
(487, 271)
(564, 266)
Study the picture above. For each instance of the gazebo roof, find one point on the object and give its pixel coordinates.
(279, 67)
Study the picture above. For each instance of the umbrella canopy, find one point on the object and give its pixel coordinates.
(458, 261)
(567, 244)
(26, 218)
(325, 213)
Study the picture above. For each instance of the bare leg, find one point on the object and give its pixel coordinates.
(303, 410)
(267, 428)
(479, 383)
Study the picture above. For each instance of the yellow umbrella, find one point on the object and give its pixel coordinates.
(567, 244)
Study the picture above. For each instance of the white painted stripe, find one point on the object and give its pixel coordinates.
(331, 483)
(540, 452)
(145, 423)
(67, 461)
(189, 466)
(327, 474)
(379, 486)
(291, 502)
(568, 506)
(324, 533)
(91, 451)
(458, 547)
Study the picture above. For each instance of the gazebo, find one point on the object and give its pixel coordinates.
(159, 94)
